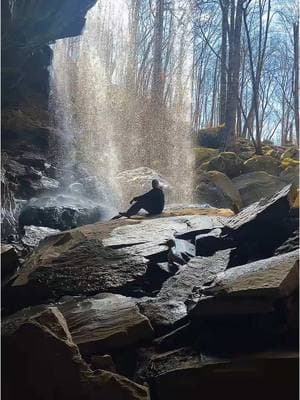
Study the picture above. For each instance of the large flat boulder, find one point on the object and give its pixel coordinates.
(273, 278)
(249, 307)
(110, 256)
(105, 322)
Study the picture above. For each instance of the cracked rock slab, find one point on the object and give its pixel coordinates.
(168, 309)
(110, 256)
(251, 288)
(105, 322)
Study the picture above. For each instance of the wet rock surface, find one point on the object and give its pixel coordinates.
(59, 217)
(168, 309)
(105, 323)
(77, 262)
(181, 304)
(34, 234)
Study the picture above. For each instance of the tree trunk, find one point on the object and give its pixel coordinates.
(157, 89)
(233, 73)
(223, 73)
(131, 73)
(296, 77)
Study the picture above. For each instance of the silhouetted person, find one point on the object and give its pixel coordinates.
(153, 202)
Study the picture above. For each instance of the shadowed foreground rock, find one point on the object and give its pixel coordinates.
(184, 373)
(9, 261)
(223, 292)
(42, 362)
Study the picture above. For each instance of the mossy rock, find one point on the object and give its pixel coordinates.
(290, 174)
(262, 163)
(289, 162)
(228, 163)
(202, 168)
(216, 189)
(203, 154)
(245, 155)
(291, 152)
(212, 137)
(254, 186)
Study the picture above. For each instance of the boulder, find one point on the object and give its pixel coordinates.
(42, 362)
(216, 189)
(262, 163)
(276, 277)
(180, 251)
(9, 261)
(34, 234)
(59, 217)
(29, 180)
(184, 373)
(168, 309)
(292, 152)
(104, 362)
(253, 186)
(77, 262)
(105, 322)
(290, 174)
(250, 306)
(291, 244)
(138, 180)
(212, 137)
(208, 243)
(228, 163)
(203, 154)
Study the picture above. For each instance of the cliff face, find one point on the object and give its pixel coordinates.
(28, 27)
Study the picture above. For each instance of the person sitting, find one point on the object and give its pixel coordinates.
(153, 202)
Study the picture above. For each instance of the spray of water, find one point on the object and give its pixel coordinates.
(101, 124)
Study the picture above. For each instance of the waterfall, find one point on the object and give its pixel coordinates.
(100, 123)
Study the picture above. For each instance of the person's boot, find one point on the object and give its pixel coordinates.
(124, 214)
(116, 217)
(120, 215)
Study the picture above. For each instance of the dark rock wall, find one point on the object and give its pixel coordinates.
(28, 28)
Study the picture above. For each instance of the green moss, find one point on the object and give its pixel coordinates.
(289, 162)
(203, 154)
(262, 163)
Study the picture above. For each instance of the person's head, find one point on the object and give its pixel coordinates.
(155, 184)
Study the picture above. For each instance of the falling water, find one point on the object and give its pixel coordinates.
(101, 124)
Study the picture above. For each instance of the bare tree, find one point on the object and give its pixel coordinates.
(157, 88)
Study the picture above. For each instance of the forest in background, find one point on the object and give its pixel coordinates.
(231, 63)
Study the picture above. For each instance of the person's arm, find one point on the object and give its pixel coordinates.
(142, 197)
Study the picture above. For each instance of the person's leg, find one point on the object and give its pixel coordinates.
(133, 210)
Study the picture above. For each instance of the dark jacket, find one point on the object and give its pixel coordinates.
(152, 201)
